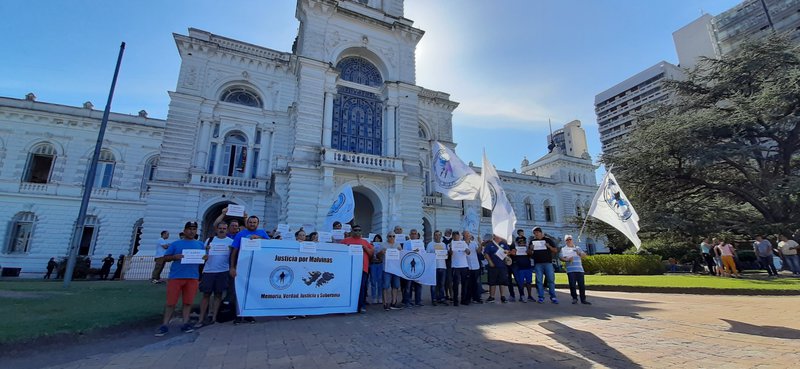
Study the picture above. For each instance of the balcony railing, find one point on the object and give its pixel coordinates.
(362, 161)
(213, 180)
(32, 187)
(432, 200)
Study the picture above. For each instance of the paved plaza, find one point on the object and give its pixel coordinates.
(621, 330)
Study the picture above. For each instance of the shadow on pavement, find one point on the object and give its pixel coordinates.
(763, 330)
(587, 344)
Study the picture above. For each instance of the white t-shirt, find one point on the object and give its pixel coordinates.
(459, 258)
(219, 255)
(160, 250)
(472, 259)
(432, 247)
(786, 245)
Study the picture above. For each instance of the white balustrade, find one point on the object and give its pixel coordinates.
(213, 180)
(363, 161)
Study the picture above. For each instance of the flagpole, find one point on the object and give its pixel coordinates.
(586, 217)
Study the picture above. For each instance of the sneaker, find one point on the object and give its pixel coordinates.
(237, 321)
(291, 317)
(363, 310)
(503, 300)
(554, 300)
(162, 330)
(586, 302)
(574, 301)
(477, 301)
(250, 320)
(386, 308)
(540, 300)
(395, 307)
(443, 302)
(187, 328)
(490, 300)
(522, 300)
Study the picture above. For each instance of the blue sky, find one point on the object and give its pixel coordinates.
(511, 64)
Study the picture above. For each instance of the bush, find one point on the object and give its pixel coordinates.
(680, 249)
(623, 264)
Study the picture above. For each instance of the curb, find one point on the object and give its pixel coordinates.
(689, 290)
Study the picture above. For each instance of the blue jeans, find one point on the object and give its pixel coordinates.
(376, 280)
(390, 281)
(767, 263)
(523, 277)
(545, 269)
(437, 291)
(793, 263)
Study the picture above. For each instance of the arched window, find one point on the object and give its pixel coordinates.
(549, 212)
(40, 163)
(149, 171)
(234, 160)
(359, 70)
(528, 210)
(358, 114)
(242, 96)
(105, 169)
(21, 230)
(422, 134)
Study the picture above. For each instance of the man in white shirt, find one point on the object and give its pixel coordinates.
(788, 249)
(474, 265)
(216, 273)
(460, 268)
(437, 292)
(161, 247)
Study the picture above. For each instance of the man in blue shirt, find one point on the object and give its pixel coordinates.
(183, 279)
(252, 232)
(764, 252)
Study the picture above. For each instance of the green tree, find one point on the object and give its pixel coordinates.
(723, 153)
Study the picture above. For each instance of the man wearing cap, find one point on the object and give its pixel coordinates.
(573, 255)
(183, 279)
(543, 250)
(355, 239)
(252, 232)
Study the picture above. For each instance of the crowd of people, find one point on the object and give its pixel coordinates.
(520, 264)
(720, 255)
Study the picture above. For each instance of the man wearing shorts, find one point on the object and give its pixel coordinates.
(498, 271)
(215, 274)
(183, 279)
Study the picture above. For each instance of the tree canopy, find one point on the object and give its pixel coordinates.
(723, 153)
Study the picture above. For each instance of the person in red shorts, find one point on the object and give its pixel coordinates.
(183, 279)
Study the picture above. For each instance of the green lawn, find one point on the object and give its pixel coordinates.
(37, 308)
(689, 281)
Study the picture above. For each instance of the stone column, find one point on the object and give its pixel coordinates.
(248, 165)
(327, 120)
(203, 144)
(391, 129)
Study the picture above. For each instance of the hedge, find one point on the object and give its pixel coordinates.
(623, 264)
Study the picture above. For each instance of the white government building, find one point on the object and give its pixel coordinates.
(278, 132)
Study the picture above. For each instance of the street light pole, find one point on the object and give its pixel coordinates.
(89, 182)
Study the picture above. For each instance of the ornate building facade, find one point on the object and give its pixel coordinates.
(278, 132)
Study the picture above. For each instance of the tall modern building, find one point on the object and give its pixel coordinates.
(279, 132)
(708, 36)
(617, 107)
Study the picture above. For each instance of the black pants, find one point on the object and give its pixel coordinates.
(510, 282)
(460, 278)
(362, 294)
(576, 280)
(710, 262)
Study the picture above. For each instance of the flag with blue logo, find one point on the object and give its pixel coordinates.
(612, 206)
(342, 208)
(452, 177)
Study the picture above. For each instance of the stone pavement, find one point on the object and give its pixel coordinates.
(621, 330)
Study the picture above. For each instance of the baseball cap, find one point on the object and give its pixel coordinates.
(190, 225)
(568, 237)
(537, 229)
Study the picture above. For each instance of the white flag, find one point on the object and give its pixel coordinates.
(494, 198)
(612, 206)
(452, 177)
(342, 208)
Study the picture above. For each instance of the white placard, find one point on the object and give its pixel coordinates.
(416, 245)
(283, 229)
(218, 250)
(392, 254)
(308, 247)
(356, 249)
(522, 250)
(250, 245)
(400, 238)
(324, 236)
(193, 256)
(235, 210)
(458, 246)
(501, 253)
(337, 234)
(441, 254)
(568, 252)
(539, 245)
(346, 227)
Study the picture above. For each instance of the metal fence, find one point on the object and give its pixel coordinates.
(139, 268)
